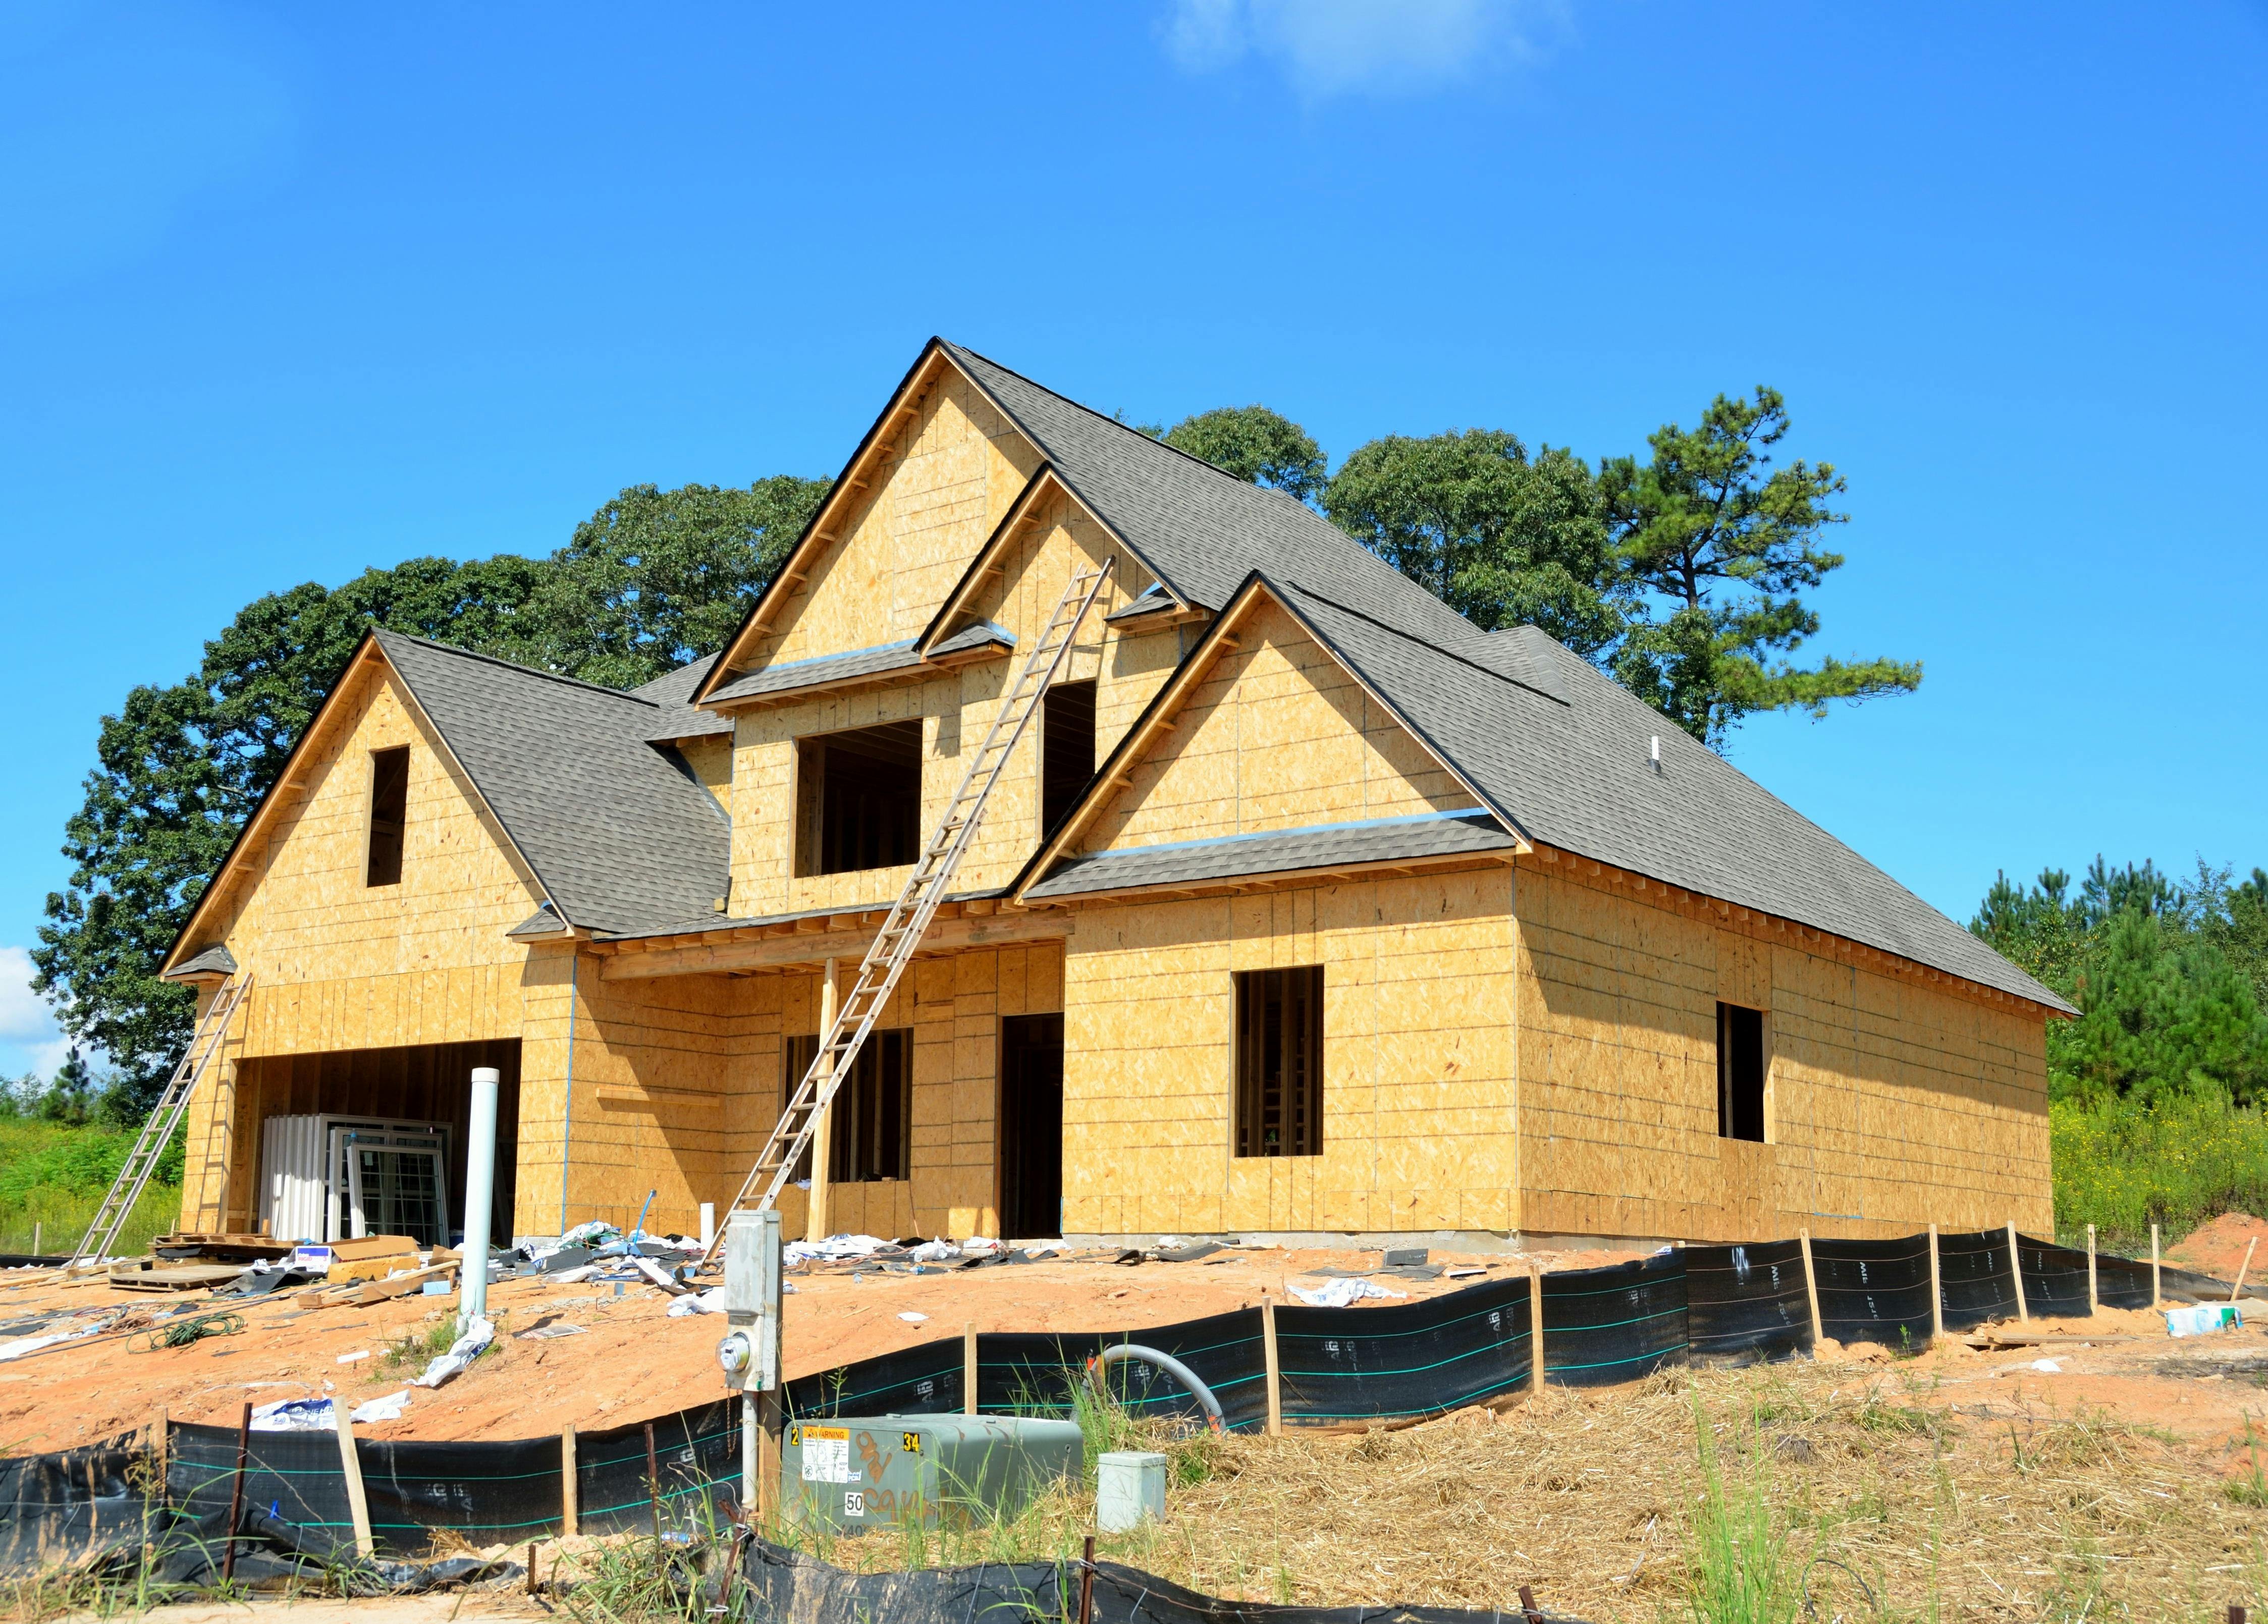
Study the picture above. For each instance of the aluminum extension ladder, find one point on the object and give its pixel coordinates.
(142, 1160)
(909, 915)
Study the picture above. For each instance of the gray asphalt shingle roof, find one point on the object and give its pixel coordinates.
(615, 833)
(677, 719)
(821, 671)
(1389, 839)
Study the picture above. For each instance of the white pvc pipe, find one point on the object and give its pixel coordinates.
(480, 1193)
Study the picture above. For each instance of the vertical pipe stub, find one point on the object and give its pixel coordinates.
(480, 1194)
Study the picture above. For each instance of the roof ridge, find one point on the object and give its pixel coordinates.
(383, 632)
(1407, 636)
(1158, 440)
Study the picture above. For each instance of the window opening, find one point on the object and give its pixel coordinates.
(858, 799)
(389, 806)
(1066, 750)
(1279, 1062)
(1740, 1073)
(871, 1137)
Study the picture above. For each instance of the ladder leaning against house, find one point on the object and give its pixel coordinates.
(158, 1132)
(909, 915)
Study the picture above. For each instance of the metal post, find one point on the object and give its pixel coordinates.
(480, 1194)
(755, 1294)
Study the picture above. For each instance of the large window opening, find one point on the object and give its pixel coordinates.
(871, 1137)
(389, 808)
(858, 799)
(1279, 1062)
(1740, 1073)
(1066, 750)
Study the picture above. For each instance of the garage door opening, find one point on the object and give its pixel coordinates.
(368, 1141)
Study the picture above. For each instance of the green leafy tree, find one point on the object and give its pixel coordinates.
(1503, 538)
(1719, 551)
(1257, 445)
(650, 581)
(658, 577)
(2165, 1009)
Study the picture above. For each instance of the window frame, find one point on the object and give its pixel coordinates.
(374, 823)
(1059, 796)
(1297, 992)
(886, 1046)
(1732, 1116)
(813, 834)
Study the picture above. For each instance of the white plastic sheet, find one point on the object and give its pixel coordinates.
(389, 1408)
(709, 1302)
(462, 1353)
(1343, 1293)
(295, 1415)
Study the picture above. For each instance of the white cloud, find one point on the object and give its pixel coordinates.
(30, 1041)
(1331, 47)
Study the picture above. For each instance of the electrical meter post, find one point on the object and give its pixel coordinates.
(750, 1352)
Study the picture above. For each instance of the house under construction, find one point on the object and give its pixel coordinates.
(1304, 906)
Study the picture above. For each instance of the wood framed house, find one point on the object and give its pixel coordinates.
(1305, 906)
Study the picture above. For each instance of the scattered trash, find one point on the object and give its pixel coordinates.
(2048, 1365)
(597, 1232)
(2194, 1321)
(436, 1288)
(1040, 1248)
(980, 1243)
(358, 1354)
(387, 1408)
(544, 1333)
(462, 1353)
(295, 1415)
(661, 1276)
(934, 1251)
(1183, 1251)
(709, 1302)
(1411, 1257)
(18, 1348)
(1466, 1274)
(839, 1246)
(911, 1318)
(1343, 1293)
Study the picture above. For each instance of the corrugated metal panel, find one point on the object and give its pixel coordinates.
(291, 1184)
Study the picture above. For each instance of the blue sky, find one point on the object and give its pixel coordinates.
(290, 291)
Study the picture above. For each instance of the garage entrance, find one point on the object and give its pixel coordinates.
(369, 1141)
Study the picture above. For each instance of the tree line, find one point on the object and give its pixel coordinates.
(1682, 573)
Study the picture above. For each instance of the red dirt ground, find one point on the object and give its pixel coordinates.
(634, 1363)
(2218, 1249)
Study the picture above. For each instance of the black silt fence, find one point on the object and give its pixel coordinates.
(1405, 1359)
(1877, 1290)
(923, 1380)
(1746, 1304)
(1975, 1279)
(1402, 1360)
(1019, 1371)
(490, 1493)
(2055, 1278)
(1604, 1326)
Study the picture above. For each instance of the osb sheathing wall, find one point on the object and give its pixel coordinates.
(948, 477)
(342, 965)
(1276, 736)
(1418, 1124)
(1892, 1101)
(955, 707)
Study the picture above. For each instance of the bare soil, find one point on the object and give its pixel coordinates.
(632, 1364)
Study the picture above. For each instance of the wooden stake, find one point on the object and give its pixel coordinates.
(968, 1369)
(350, 1468)
(1535, 1329)
(1275, 1370)
(767, 1456)
(1936, 1291)
(2016, 1273)
(236, 1492)
(2093, 1300)
(653, 1484)
(531, 1567)
(2242, 1268)
(817, 1218)
(1086, 1584)
(1811, 1290)
(567, 1507)
(2157, 1296)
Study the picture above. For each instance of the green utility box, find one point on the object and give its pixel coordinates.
(884, 1470)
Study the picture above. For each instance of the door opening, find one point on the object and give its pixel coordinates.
(1031, 1127)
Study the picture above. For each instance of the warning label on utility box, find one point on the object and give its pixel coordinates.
(826, 1455)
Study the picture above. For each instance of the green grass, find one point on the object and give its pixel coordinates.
(53, 1175)
(2123, 1168)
